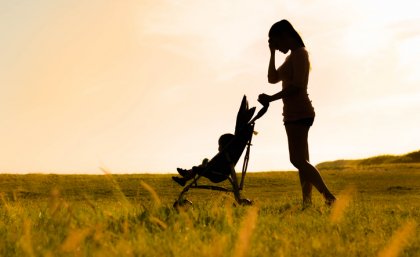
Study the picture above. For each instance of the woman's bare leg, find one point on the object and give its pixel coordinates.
(297, 136)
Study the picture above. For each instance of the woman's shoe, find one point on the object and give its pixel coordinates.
(330, 201)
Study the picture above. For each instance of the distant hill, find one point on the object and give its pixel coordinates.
(413, 157)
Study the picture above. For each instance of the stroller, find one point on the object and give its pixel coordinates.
(222, 166)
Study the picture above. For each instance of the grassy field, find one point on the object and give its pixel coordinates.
(378, 214)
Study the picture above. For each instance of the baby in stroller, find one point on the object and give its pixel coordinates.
(189, 174)
(222, 166)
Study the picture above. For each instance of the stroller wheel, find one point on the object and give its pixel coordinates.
(246, 201)
(182, 203)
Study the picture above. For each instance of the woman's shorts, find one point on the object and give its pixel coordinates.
(304, 122)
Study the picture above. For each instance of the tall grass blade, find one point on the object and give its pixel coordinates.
(341, 204)
(119, 193)
(152, 192)
(245, 232)
(399, 240)
(26, 239)
(75, 239)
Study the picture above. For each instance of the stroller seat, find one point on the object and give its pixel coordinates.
(219, 167)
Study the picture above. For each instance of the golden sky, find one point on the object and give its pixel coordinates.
(148, 86)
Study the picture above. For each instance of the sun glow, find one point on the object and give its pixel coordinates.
(148, 86)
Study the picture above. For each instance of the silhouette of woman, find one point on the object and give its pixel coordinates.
(298, 112)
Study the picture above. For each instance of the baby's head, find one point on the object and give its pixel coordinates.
(224, 140)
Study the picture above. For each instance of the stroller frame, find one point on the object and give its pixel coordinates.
(237, 186)
(244, 128)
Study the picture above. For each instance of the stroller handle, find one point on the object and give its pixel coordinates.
(261, 112)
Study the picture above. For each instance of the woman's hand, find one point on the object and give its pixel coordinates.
(271, 46)
(272, 74)
(264, 99)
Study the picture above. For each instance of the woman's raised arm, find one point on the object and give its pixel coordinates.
(273, 74)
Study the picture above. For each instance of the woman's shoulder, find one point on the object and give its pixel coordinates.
(300, 55)
(300, 52)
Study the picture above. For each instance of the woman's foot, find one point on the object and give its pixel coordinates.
(306, 204)
(330, 201)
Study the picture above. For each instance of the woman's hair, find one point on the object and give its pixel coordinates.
(282, 28)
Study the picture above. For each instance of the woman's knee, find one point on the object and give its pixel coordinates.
(298, 162)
